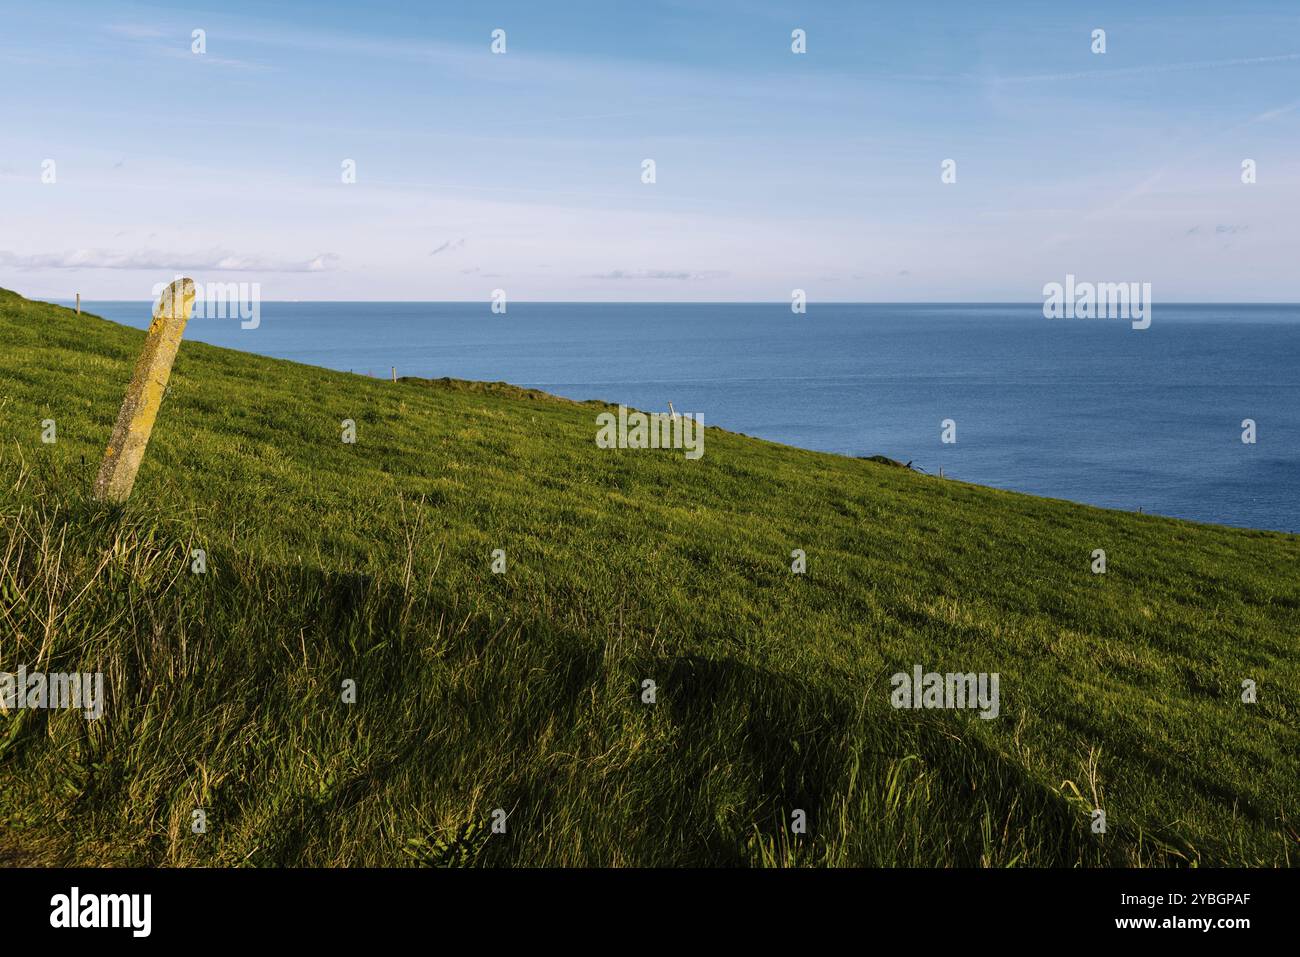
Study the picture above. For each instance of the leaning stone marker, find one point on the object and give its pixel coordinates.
(143, 397)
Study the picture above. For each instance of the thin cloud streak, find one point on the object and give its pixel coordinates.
(148, 259)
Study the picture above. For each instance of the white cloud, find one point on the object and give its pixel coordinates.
(678, 274)
(149, 259)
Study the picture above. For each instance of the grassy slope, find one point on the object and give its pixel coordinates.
(477, 691)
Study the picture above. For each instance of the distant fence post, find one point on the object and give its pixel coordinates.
(78, 303)
(144, 395)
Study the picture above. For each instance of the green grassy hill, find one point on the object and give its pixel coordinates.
(523, 691)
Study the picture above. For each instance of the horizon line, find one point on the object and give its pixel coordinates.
(726, 302)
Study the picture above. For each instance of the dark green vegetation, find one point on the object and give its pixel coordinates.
(521, 691)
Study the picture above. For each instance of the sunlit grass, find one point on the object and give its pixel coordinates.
(522, 691)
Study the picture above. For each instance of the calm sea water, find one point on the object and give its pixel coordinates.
(1091, 411)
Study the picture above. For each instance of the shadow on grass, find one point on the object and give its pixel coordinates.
(227, 693)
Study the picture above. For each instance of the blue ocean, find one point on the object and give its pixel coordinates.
(1087, 410)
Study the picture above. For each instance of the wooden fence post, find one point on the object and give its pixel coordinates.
(144, 395)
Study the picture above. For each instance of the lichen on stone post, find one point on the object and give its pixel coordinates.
(144, 396)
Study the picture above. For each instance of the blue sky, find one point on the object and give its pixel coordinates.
(774, 171)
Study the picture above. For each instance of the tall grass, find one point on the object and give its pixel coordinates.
(522, 692)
